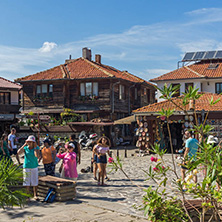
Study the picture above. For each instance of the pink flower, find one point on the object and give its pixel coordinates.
(153, 159)
(155, 169)
(110, 160)
(163, 167)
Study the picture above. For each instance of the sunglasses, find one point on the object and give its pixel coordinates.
(70, 147)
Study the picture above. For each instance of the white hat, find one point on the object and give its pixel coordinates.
(31, 139)
(212, 139)
(72, 145)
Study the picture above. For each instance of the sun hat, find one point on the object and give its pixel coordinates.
(212, 139)
(72, 145)
(31, 139)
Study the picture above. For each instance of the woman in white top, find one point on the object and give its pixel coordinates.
(99, 152)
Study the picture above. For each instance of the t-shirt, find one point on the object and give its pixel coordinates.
(30, 160)
(192, 144)
(102, 149)
(47, 154)
(12, 137)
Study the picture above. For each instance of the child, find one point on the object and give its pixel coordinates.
(48, 155)
(4, 150)
(69, 162)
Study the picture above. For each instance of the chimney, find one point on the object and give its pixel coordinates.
(98, 58)
(86, 53)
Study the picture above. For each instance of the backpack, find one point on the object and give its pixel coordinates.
(50, 196)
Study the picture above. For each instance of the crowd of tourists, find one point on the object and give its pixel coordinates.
(69, 157)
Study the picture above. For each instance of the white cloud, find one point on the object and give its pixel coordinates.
(48, 47)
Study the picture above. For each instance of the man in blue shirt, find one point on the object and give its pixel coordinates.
(191, 148)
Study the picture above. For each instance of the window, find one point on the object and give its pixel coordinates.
(146, 95)
(121, 92)
(89, 89)
(136, 93)
(44, 90)
(178, 91)
(187, 86)
(5, 98)
(218, 88)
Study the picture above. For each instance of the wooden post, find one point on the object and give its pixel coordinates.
(38, 130)
(125, 152)
(117, 152)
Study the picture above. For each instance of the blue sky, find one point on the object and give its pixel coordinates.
(145, 37)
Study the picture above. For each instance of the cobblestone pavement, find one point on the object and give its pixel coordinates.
(113, 202)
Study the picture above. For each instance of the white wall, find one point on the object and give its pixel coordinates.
(182, 86)
(208, 85)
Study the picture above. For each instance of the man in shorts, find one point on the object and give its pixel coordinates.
(191, 148)
(11, 144)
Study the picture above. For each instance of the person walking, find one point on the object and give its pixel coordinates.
(191, 148)
(48, 155)
(100, 150)
(4, 150)
(11, 144)
(30, 166)
(77, 148)
(69, 162)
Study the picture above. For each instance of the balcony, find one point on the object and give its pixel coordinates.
(9, 108)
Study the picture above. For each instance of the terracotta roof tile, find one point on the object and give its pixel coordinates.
(81, 69)
(4, 83)
(201, 103)
(196, 71)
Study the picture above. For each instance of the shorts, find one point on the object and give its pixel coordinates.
(14, 151)
(94, 158)
(30, 177)
(101, 159)
(49, 169)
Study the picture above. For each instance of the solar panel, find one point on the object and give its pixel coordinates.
(218, 55)
(188, 56)
(210, 55)
(199, 55)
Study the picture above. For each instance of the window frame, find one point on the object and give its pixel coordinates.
(4, 98)
(49, 92)
(121, 92)
(216, 87)
(94, 85)
(178, 93)
(187, 84)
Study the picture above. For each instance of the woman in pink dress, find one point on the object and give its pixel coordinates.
(69, 162)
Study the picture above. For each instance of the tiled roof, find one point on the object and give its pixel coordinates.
(201, 103)
(4, 83)
(196, 71)
(81, 69)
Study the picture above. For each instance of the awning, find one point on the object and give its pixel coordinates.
(126, 120)
(37, 110)
(91, 123)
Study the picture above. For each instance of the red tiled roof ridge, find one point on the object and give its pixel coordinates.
(63, 71)
(11, 82)
(186, 67)
(98, 67)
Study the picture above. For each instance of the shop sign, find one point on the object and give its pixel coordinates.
(6, 116)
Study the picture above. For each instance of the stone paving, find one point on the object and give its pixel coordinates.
(113, 202)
